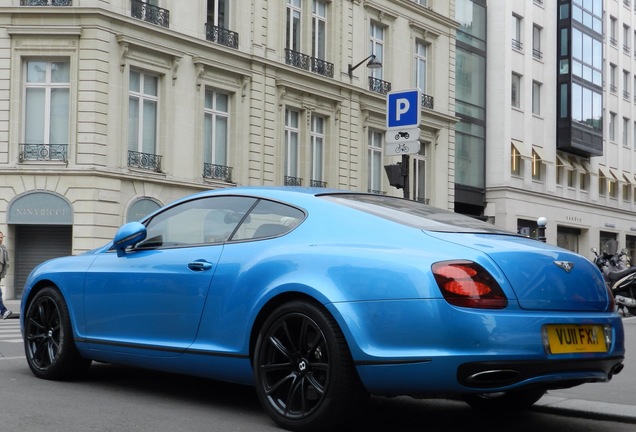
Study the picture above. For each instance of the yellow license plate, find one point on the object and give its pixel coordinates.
(569, 339)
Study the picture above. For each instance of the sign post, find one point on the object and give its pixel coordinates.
(403, 117)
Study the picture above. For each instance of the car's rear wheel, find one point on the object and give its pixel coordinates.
(305, 378)
(513, 400)
(48, 338)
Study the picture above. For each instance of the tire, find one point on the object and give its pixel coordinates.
(48, 338)
(514, 400)
(304, 374)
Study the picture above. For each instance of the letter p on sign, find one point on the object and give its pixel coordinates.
(403, 109)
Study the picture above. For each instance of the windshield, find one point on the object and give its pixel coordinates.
(413, 213)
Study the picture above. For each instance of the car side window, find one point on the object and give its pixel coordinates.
(199, 221)
(269, 219)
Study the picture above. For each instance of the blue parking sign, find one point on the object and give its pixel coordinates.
(403, 108)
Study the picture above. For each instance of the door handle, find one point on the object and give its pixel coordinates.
(199, 265)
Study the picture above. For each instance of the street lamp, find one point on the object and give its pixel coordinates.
(373, 64)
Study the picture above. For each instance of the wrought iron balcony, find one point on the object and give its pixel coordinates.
(517, 44)
(150, 13)
(43, 152)
(322, 67)
(379, 86)
(46, 2)
(217, 172)
(303, 61)
(318, 183)
(144, 161)
(427, 101)
(221, 36)
(293, 181)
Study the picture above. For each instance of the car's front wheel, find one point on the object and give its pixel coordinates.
(48, 338)
(305, 378)
(514, 400)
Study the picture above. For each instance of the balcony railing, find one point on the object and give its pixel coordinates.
(379, 86)
(428, 101)
(303, 61)
(516, 44)
(46, 2)
(146, 161)
(150, 13)
(221, 36)
(43, 152)
(537, 53)
(318, 183)
(293, 181)
(217, 172)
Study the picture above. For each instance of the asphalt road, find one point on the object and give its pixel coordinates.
(114, 398)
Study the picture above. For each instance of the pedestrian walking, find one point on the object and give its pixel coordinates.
(4, 265)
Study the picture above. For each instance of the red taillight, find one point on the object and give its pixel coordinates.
(467, 284)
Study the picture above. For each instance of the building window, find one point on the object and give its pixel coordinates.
(319, 29)
(215, 126)
(217, 13)
(584, 181)
(612, 78)
(587, 106)
(625, 131)
(627, 192)
(317, 150)
(612, 31)
(626, 80)
(627, 37)
(612, 188)
(143, 101)
(602, 184)
(536, 166)
(293, 25)
(46, 112)
(612, 127)
(376, 47)
(374, 169)
(587, 57)
(536, 42)
(421, 51)
(515, 161)
(517, 43)
(515, 100)
(536, 98)
(292, 143)
(419, 172)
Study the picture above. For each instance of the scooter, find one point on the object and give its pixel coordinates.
(619, 276)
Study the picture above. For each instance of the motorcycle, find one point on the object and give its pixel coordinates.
(619, 275)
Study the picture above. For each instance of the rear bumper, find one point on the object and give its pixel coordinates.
(497, 374)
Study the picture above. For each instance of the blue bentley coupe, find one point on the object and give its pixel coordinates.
(319, 298)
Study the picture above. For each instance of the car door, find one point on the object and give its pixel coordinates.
(150, 299)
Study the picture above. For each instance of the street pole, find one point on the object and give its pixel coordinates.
(405, 175)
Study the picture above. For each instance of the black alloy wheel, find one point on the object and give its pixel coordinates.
(305, 378)
(48, 338)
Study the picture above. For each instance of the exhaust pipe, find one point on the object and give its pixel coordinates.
(494, 377)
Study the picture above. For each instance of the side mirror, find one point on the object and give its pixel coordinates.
(128, 235)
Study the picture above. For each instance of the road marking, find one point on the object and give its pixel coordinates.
(10, 331)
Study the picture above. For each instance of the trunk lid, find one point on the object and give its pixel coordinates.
(543, 277)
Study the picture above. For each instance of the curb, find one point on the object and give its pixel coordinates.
(587, 409)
